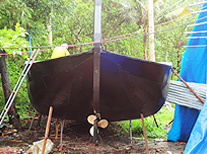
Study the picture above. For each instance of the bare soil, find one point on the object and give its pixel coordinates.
(76, 139)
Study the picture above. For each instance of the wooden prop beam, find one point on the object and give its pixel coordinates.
(47, 129)
(189, 87)
(144, 132)
(56, 129)
(155, 120)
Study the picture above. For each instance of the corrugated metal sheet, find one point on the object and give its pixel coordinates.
(180, 94)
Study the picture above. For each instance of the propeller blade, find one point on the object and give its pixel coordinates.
(91, 131)
(91, 119)
(103, 123)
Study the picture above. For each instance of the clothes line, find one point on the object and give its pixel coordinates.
(196, 37)
(197, 4)
(198, 12)
(197, 24)
(195, 32)
(193, 46)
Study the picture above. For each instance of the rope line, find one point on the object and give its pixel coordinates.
(157, 31)
(112, 39)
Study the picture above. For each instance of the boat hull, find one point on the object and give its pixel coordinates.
(128, 86)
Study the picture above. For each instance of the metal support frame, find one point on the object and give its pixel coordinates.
(61, 133)
(130, 125)
(96, 69)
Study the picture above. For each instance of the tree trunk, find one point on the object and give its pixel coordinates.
(49, 28)
(145, 41)
(151, 30)
(13, 115)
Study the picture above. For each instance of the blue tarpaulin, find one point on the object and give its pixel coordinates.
(198, 139)
(193, 69)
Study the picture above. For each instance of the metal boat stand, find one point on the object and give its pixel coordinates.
(130, 125)
(61, 133)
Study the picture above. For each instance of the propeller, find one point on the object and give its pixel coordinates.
(103, 123)
(91, 118)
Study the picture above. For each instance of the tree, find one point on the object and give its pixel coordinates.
(10, 38)
(33, 15)
(12, 12)
(72, 22)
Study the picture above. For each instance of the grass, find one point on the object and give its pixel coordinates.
(163, 117)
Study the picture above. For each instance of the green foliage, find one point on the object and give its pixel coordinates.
(13, 38)
(72, 22)
(12, 12)
(15, 64)
(163, 117)
(76, 28)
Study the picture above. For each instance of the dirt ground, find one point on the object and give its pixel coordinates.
(76, 139)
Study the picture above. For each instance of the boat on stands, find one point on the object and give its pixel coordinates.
(129, 86)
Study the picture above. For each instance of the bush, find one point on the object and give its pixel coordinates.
(163, 117)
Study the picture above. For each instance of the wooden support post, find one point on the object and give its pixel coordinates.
(144, 132)
(39, 120)
(47, 129)
(145, 41)
(189, 87)
(151, 29)
(155, 120)
(56, 129)
(170, 122)
(101, 140)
